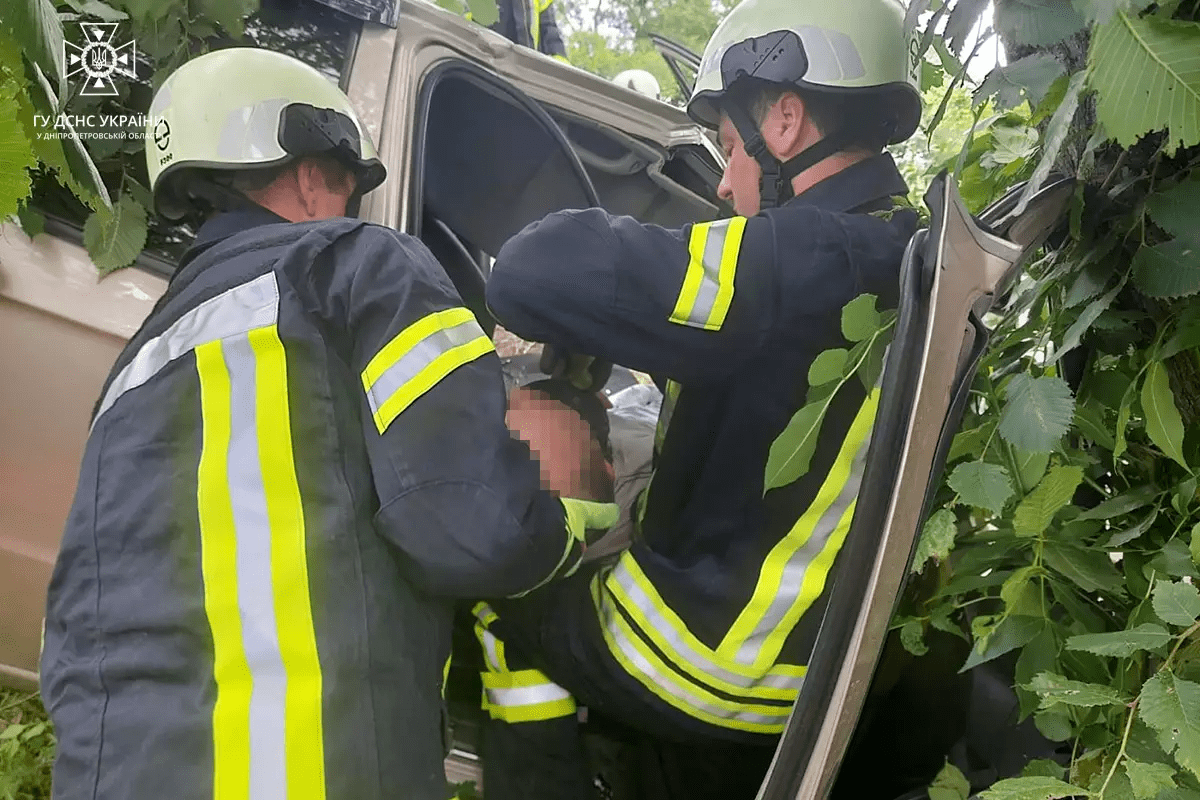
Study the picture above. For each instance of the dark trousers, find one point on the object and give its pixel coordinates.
(650, 751)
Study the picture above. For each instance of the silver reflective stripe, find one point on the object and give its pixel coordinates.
(653, 617)
(793, 572)
(255, 583)
(682, 694)
(243, 308)
(422, 354)
(701, 309)
(527, 695)
(491, 651)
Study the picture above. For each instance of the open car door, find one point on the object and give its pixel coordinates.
(952, 274)
(683, 63)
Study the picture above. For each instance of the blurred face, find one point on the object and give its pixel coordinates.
(569, 457)
(739, 183)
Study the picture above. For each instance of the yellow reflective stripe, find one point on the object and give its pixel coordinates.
(303, 731)
(525, 696)
(418, 357)
(665, 412)
(755, 637)
(708, 283)
(695, 273)
(218, 565)
(643, 664)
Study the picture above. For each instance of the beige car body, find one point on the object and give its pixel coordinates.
(63, 326)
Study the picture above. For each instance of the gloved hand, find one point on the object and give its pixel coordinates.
(588, 520)
(586, 373)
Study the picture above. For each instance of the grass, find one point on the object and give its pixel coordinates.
(26, 747)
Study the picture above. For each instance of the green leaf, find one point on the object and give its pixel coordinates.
(35, 24)
(1124, 503)
(1080, 326)
(1043, 767)
(1054, 725)
(932, 76)
(937, 539)
(1164, 425)
(970, 443)
(16, 154)
(1088, 568)
(1171, 706)
(1147, 78)
(1170, 269)
(1026, 78)
(860, 320)
(1129, 534)
(1177, 603)
(32, 221)
(1011, 633)
(1010, 144)
(1123, 419)
(982, 485)
(1031, 468)
(97, 9)
(1035, 513)
(1088, 283)
(484, 11)
(1195, 545)
(115, 238)
(912, 637)
(11, 732)
(1149, 779)
(1058, 690)
(1038, 412)
(828, 366)
(1035, 788)
(1175, 209)
(1101, 11)
(1037, 22)
(1172, 559)
(1020, 595)
(1091, 424)
(950, 784)
(1054, 138)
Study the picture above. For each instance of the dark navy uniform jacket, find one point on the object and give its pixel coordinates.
(715, 607)
(296, 466)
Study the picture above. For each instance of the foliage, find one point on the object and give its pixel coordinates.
(1071, 484)
(26, 748)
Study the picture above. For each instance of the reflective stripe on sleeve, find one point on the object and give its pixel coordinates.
(525, 696)
(712, 265)
(267, 721)
(417, 358)
(645, 665)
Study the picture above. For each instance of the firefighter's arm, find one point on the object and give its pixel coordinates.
(688, 304)
(459, 497)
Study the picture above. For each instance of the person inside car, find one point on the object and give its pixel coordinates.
(698, 636)
(296, 466)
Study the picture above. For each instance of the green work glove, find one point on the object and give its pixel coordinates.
(588, 520)
(585, 373)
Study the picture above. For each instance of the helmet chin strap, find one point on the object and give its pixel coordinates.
(775, 186)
